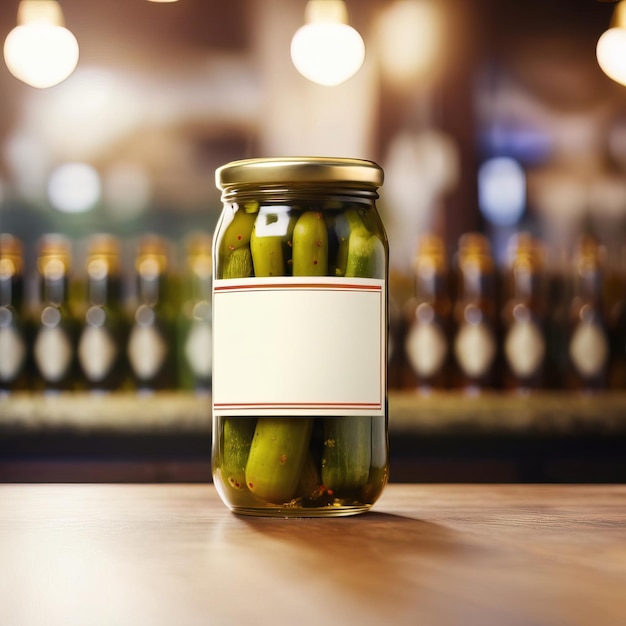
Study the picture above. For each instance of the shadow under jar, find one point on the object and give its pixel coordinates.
(300, 258)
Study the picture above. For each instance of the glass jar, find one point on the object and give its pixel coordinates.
(300, 267)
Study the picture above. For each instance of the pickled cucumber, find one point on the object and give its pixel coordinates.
(310, 245)
(269, 241)
(366, 252)
(310, 485)
(348, 440)
(277, 456)
(235, 257)
(379, 472)
(238, 433)
(339, 230)
(238, 264)
(347, 452)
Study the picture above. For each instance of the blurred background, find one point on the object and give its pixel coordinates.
(488, 116)
(165, 92)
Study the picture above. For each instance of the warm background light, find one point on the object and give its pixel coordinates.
(40, 51)
(74, 187)
(410, 39)
(611, 48)
(326, 50)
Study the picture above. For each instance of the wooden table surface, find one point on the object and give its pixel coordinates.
(430, 555)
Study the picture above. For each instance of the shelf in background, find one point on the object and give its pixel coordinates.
(116, 413)
(493, 413)
(445, 437)
(442, 413)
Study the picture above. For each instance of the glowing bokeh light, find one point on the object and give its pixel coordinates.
(502, 191)
(326, 50)
(74, 188)
(40, 51)
(409, 39)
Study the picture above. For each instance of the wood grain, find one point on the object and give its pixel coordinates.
(429, 554)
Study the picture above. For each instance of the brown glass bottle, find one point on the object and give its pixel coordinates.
(195, 335)
(14, 339)
(427, 319)
(475, 315)
(54, 345)
(103, 333)
(617, 373)
(524, 316)
(588, 348)
(150, 346)
(617, 376)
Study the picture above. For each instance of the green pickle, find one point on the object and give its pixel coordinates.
(310, 245)
(298, 465)
(235, 256)
(277, 456)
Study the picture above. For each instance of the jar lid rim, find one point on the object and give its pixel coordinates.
(274, 170)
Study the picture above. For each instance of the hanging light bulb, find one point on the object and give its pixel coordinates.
(326, 50)
(40, 51)
(611, 48)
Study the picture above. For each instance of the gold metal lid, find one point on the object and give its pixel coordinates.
(199, 248)
(525, 251)
(55, 255)
(103, 244)
(103, 255)
(589, 255)
(198, 243)
(474, 243)
(11, 255)
(152, 255)
(10, 245)
(290, 170)
(474, 253)
(431, 253)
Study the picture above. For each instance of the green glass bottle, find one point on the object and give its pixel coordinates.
(195, 334)
(13, 324)
(54, 345)
(151, 349)
(103, 331)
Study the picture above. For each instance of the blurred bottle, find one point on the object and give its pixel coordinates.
(14, 340)
(588, 337)
(558, 301)
(195, 333)
(617, 375)
(617, 324)
(475, 315)
(103, 333)
(427, 319)
(150, 347)
(54, 347)
(524, 316)
(395, 360)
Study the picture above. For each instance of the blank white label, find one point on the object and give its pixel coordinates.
(299, 346)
